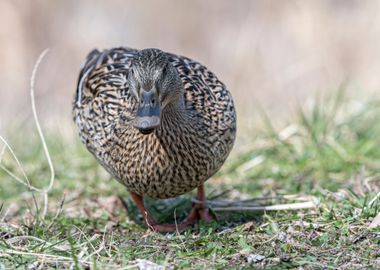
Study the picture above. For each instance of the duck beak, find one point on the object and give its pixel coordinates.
(148, 116)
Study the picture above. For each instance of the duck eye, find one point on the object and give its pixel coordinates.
(164, 70)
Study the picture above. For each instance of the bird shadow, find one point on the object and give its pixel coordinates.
(172, 211)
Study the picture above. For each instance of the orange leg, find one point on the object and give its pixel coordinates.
(199, 211)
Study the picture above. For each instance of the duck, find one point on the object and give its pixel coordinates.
(160, 123)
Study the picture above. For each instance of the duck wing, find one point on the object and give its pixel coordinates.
(209, 100)
(103, 103)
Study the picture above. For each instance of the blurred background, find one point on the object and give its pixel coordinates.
(271, 54)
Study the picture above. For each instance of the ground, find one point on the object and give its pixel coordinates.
(328, 154)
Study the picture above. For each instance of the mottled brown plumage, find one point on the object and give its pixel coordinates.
(196, 114)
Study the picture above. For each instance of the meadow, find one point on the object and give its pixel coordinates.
(322, 165)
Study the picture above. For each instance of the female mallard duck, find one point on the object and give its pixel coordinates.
(160, 123)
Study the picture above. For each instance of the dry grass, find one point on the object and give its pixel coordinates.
(328, 156)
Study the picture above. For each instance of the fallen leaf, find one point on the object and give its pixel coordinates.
(254, 258)
(375, 222)
(143, 264)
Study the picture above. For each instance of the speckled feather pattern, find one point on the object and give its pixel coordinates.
(187, 149)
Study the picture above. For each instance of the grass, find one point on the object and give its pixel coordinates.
(330, 150)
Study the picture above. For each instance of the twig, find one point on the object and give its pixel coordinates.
(110, 245)
(89, 240)
(27, 182)
(18, 179)
(59, 211)
(249, 165)
(277, 207)
(250, 202)
(102, 246)
(16, 239)
(175, 221)
(2, 152)
(374, 200)
(40, 133)
(55, 258)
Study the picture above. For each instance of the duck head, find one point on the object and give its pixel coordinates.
(156, 85)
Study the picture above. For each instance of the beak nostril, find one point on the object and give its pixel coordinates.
(144, 124)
